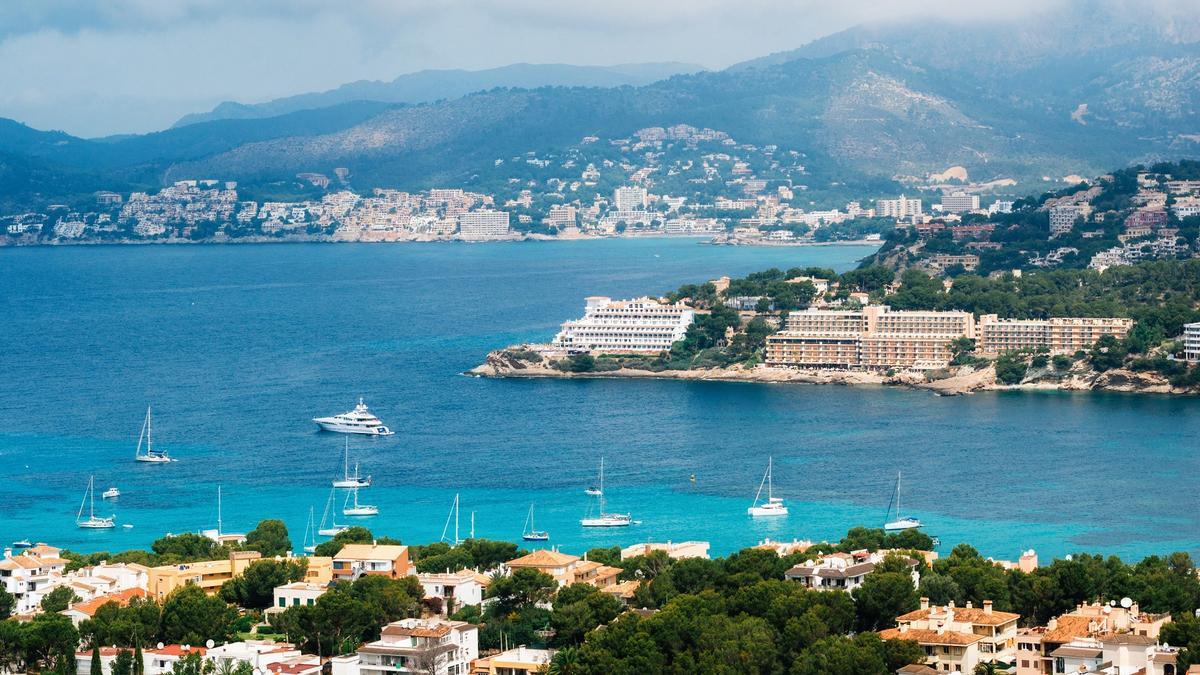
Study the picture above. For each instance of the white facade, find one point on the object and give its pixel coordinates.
(639, 325)
(898, 208)
(483, 224)
(28, 576)
(841, 571)
(300, 593)
(629, 198)
(959, 202)
(1191, 342)
(421, 646)
(456, 589)
(1062, 218)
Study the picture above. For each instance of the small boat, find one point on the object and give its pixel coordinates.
(901, 522)
(22, 543)
(127, 526)
(330, 516)
(358, 509)
(110, 493)
(774, 505)
(357, 421)
(593, 491)
(348, 481)
(530, 532)
(92, 522)
(310, 534)
(605, 519)
(150, 455)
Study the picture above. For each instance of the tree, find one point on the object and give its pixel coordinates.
(192, 663)
(58, 599)
(12, 648)
(254, 588)
(122, 664)
(882, 597)
(940, 589)
(96, 667)
(351, 535)
(185, 547)
(605, 556)
(1010, 369)
(1184, 632)
(7, 604)
(50, 641)
(578, 609)
(1107, 353)
(521, 588)
(270, 538)
(189, 616)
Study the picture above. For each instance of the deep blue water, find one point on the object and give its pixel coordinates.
(238, 346)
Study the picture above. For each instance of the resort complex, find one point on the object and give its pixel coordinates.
(639, 325)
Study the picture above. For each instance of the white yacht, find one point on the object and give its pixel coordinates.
(605, 519)
(774, 505)
(357, 421)
(150, 455)
(901, 522)
(111, 493)
(92, 522)
(347, 480)
(358, 509)
(330, 516)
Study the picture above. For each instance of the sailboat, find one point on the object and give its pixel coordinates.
(605, 519)
(348, 481)
(330, 516)
(219, 535)
(901, 522)
(774, 505)
(310, 534)
(358, 509)
(530, 532)
(92, 522)
(151, 455)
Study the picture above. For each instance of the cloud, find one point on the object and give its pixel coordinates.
(136, 65)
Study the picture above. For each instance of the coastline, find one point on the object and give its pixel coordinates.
(503, 363)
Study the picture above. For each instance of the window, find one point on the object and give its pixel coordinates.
(283, 602)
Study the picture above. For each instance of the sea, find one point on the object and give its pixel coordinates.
(237, 347)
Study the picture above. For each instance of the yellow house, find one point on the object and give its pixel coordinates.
(567, 569)
(209, 575)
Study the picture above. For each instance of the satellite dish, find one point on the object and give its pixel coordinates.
(160, 645)
(209, 644)
(1126, 603)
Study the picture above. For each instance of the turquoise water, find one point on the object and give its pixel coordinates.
(238, 346)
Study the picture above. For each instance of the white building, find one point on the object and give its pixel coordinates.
(898, 208)
(676, 550)
(421, 646)
(629, 198)
(28, 575)
(841, 571)
(1062, 218)
(1191, 342)
(456, 589)
(639, 325)
(959, 202)
(483, 224)
(296, 594)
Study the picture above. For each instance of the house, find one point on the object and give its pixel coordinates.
(1036, 646)
(209, 575)
(82, 611)
(519, 661)
(1115, 654)
(161, 660)
(841, 571)
(624, 591)
(22, 576)
(355, 560)
(674, 550)
(296, 594)
(456, 589)
(567, 569)
(427, 646)
(260, 654)
(959, 638)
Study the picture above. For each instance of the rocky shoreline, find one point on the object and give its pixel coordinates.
(516, 362)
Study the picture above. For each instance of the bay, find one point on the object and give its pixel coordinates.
(237, 347)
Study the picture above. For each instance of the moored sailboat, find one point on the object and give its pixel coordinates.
(330, 516)
(530, 531)
(150, 455)
(92, 522)
(901, 522)
(605, 519)
(357, 509)
(347, 480)
(774, 506)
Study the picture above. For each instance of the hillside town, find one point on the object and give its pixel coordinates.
(439, 622)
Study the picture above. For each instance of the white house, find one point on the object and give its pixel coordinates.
(296, 594)
(456, 589)
(841, 571)
(426, 646)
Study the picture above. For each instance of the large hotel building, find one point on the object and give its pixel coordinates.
(878, 338)
(639, 325)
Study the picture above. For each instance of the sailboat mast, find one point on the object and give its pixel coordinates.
(898, 516)
(218, 511)
(770, 478)
(601, 487)
(456, 539)
(91, 497)
(149, 440)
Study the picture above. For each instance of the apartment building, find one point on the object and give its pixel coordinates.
(1043, 650)
(567, 569)
(519, 661)
(639, 325)
(24, 575)
(456, 589)
(629, 198)
(841, 571)
(297, 594)
(674, 550)
(1191, 342)
(1061, 335)
(355, 560)
(483, 224)
(941, 262)
(959, 202)
(956, 639)
(1062, 218)
(426, 646)
(82, 611)
(899, 208)
(874, 337)
(209, 575)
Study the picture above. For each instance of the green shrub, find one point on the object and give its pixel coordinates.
(1009, 369)
(1062, 362)
(1039, 361)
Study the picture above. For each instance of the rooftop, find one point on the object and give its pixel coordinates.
(370, 552)
(544, 558)
(931, 637)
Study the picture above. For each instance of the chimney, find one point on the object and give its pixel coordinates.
(970, 604)
(7, 553)
(924, 603)
(950, 605)
(987, 606)
(1051, 624)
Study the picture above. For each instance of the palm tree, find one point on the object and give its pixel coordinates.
(566, 662)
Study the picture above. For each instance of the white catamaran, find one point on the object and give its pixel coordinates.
(530, 532)
(357, 509)
(901, 522)
(774, 505)
(605, 519)
(330, 516)
(150, 455)
(92, 522)
(347, 480)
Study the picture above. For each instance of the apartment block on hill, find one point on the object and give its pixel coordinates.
(956, 639)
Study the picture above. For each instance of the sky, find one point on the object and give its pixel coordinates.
(132, 66)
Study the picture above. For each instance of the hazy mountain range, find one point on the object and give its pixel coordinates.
(1079, 90)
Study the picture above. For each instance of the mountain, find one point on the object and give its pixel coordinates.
(432, 85)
